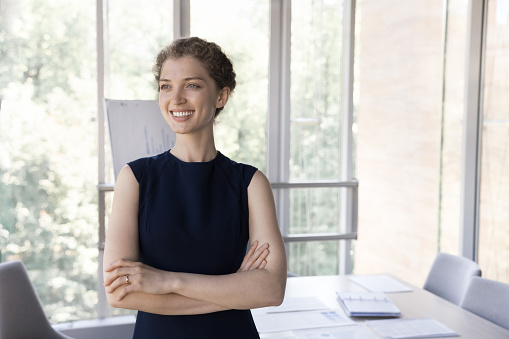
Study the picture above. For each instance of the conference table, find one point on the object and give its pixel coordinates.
(418, 303)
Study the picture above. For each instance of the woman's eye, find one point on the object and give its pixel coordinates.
(164, 87)
(192, 86)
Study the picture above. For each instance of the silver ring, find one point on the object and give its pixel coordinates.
(127, 279)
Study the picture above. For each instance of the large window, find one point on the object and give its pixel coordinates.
(134, 32)
(417, 164)
(48, 162)
(240, 129)
(494, 201)
(452, 110)
(315, 63)
(409, 134)
(315, 134)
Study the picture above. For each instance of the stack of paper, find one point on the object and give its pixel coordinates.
(288, 321)
(298, 314)
(296, 304)
(343, 332)
(368, 304)
(411, 328)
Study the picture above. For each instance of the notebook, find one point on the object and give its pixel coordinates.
(367, 304)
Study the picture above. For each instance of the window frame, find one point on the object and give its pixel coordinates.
(278, 150)
(472, 129)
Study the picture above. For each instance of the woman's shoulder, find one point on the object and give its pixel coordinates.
(244, 171)
(140, 166)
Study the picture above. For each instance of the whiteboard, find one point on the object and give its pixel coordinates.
(137, 129)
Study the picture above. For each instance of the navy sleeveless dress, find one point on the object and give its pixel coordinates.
(193, 217)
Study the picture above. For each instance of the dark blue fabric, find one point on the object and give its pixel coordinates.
(193, 217)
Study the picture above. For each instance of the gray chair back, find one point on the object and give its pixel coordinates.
(488, 299)
(21, 312)
(450, 275)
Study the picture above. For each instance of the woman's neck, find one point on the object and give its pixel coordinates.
(189, 150)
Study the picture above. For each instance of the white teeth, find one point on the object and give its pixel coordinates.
(182, 114)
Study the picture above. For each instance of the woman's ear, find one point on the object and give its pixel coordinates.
(223, 97)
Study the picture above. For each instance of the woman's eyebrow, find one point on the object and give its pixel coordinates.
(194, 78)
(185, 79)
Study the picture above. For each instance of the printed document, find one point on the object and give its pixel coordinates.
(411, 328)
(274, 322)
(345, 332)
(379, 283)
(298, 304)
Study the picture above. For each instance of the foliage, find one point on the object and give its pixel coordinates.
(315, 131)
(48, 211)
(241, 128)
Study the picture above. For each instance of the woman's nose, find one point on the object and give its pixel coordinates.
(177, 97)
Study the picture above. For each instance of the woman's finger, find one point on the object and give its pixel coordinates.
(121, 268)
(119, 272)
(128, 288)
(259, 260)
(250, 263)
(248, 255)
(121, 263)
(252, 248)
(118, 282)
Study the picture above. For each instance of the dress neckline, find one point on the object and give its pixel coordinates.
(195, 163)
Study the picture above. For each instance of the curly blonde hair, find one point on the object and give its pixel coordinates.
(209, 54)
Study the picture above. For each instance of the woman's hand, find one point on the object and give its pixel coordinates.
(132, 276)
(255, 258)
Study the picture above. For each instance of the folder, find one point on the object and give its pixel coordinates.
(368, 304)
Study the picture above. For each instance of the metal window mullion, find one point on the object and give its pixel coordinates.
(346, 208)
(314, 184)
(100, 23)
(302, 237)
(352, 186)
(181, 18)
(278, 140)
(471, 145)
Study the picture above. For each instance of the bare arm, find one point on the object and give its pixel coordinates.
(241, 290)
(122, 243)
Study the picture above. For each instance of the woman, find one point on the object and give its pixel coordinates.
(180, 221)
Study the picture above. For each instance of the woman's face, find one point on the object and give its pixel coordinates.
(188, 96)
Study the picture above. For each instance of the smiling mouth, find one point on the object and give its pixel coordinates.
(182, 114)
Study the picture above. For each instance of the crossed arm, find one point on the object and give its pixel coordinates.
(259, 282)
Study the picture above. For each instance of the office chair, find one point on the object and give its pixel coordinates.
(21, 312)
(488, 299)
(450, 275)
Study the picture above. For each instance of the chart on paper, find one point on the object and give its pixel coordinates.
(155, 144)
(137, 129)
